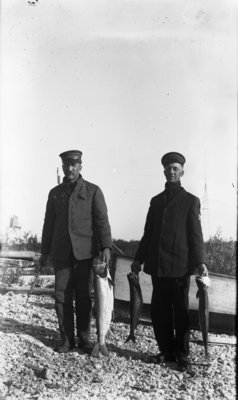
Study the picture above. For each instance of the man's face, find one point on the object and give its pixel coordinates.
(71, 170)
(173, 172)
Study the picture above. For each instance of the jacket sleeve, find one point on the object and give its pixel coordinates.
(100, 220)
(48, 226)
(145, 240)
(196, 244)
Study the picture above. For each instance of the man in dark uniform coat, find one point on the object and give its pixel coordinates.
(75, 230)
(172, 249)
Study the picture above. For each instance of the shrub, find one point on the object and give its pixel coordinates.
(12, 277)
(39, 282)
(221, 255)
(129, 248)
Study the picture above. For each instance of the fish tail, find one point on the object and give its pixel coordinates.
(131, 337)
(206, 350)
(99, 349)
(205, 343)
(109, 333)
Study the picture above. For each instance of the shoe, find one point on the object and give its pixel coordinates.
(83, 336)
(183, 364)
(170, 358)
(87, 348)
(66, 346)
(82, 343)
(163, 358)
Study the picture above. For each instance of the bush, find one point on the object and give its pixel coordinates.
(221, 254)
(27, 242)
(12, 277)
(39, 282)
(129, 248)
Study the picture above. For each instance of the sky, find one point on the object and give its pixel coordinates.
(124, 82)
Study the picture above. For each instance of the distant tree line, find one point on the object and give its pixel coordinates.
(28, 242)
(221, 254)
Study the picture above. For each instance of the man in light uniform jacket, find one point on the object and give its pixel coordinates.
(172, 248)
(76, 229)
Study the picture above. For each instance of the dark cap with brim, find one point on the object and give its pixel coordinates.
(172, 157)
(73, 156)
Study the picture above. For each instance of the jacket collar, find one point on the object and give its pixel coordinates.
(172, 187)
(175, 199)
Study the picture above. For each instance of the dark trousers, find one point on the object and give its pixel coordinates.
(73, 280)
(170, 314)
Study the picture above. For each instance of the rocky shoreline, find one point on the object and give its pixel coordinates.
(31, 369)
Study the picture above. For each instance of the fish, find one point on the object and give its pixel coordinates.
(203, 309)
(136, 303)
(104, 299)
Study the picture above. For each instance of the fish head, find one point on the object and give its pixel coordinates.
(101, 271)
(100, 268)
(133, 277)
(202, 281)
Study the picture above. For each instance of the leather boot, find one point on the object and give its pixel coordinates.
(84, 342)
(66, 346)
(183, 363)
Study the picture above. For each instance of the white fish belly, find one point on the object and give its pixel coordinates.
(104, 306)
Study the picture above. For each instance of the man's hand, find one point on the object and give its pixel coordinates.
(106, 255)
(202, 270)
(136, 266)
(43, 260)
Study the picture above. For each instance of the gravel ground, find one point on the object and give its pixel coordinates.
(31, 369)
